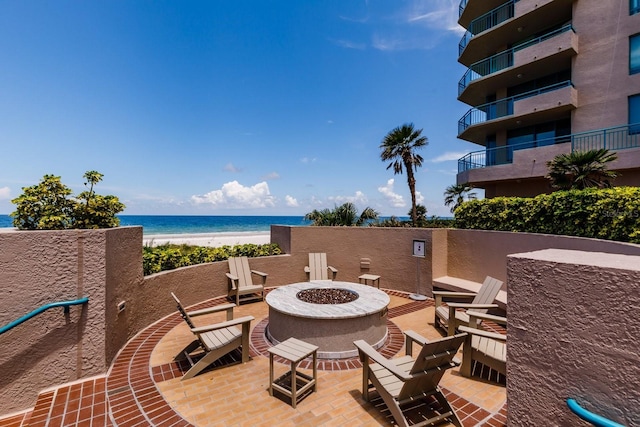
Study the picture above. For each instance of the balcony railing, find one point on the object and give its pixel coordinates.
(488, 20)
(502, 107)
(616, 138)
(463, 4)
(502, 60)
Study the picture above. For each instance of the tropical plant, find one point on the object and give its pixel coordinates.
(421, 215)
(169, 256)
(94, 210)
(345, 215)
(609, 213)
(47, 206)
(455, 195)
(399, 146)
(581, 169)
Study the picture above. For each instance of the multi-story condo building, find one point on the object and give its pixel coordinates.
(547, 77)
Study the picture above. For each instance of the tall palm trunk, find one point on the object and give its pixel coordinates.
(412, 189)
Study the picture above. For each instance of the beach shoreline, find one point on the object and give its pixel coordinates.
(213, 240)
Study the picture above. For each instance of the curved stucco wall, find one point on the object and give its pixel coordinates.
(41, 267)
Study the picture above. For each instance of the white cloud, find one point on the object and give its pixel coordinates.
(5, 193)
(291, 201)
(347, 44)
(307, 160)
(271, 176)
(230, 168)
(394, 199)
(448, 156)
(435, 14)
(419, 198)
(358, 198)
(235, 195)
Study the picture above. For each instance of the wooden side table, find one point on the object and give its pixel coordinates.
(294, 351)
(375, 280)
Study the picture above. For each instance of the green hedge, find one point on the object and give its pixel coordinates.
(612, 214)
(168, 257)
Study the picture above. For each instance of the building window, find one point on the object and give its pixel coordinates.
(634, 54)
(634, 114)
(634, 7)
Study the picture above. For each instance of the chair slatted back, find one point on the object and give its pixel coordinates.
(182, 311)
(318, 266)
(239, 267)
(430, 365)
(487, 293)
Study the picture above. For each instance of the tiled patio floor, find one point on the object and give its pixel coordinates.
(144, 387)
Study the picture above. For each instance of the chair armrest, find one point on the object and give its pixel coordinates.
(483, 333)
(469, 305)
(453, 294)
(367, 350)
(210, 310)
(333, 270)
(484, 316)
(259, 273)
(410, 338)
(221, 325)
(233, 280)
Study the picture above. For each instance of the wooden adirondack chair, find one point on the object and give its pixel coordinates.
(450, 318)
(240, 280)
(213, 341)
(318, 268)
(483, 349)
(405, 383)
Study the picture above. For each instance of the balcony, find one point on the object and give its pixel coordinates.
(532, 59)
(617, 138)
(500, 27)
(486, 21)
(469, 9)
(544, 104)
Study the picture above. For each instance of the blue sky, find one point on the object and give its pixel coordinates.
(229, 107)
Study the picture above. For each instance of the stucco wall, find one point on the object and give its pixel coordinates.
(573, 332)
(106, 265)
(41, 267)
(474, 254)
(601, 71)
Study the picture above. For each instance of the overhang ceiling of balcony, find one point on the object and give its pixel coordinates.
(519, 28)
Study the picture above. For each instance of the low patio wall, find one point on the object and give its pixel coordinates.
(41, 267)
(573, 333)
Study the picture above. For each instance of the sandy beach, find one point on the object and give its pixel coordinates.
(209, 239)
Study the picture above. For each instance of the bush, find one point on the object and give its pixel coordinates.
(611, 214)
(47, 206)
(169, 257)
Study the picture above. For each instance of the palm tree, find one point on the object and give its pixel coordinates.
(455, 195)
(399, 146)
(581, 169)
(345, 215)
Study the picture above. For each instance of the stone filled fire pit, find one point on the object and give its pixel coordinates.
(327, 296)
(328, 314)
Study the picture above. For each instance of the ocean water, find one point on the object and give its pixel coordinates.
(192, 224)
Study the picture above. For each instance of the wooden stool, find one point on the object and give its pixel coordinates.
(294, 351)
(375, 280)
